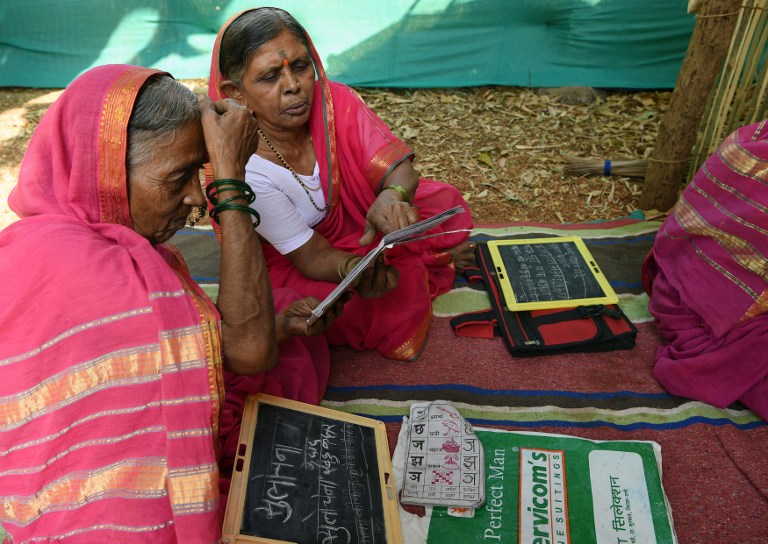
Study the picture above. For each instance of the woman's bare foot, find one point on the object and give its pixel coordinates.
(463, 255)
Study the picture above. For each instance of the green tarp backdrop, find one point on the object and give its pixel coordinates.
(375, 43)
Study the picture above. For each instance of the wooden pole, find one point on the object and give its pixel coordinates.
(669, 161)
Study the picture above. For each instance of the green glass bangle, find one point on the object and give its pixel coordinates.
(225, 181)
(230, 200)
(213, 196)
(401, 190)
(248, 194)
(226, 206)
(229, 184)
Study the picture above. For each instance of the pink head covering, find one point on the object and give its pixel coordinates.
(62, 157)
(214, 88)
(322, 125)
(110, 360)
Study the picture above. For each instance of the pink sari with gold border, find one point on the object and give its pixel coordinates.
(110, 368)
(355, 151)
(113, 416)
(708, 279)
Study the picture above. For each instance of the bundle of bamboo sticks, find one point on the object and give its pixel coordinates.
(632, 168)
(740, 95)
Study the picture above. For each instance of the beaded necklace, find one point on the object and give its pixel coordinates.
(295, 175)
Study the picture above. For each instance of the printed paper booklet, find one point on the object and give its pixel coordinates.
(556, 489)
(401, 236)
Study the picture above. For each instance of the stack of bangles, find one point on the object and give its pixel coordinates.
(245, 193)
(346, 264)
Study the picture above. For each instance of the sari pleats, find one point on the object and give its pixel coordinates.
(708, 279)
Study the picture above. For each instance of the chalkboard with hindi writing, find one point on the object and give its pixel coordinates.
(544, 273)
(306, 474)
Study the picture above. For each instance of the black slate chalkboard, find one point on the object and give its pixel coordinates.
(313, 475)
(548, 273)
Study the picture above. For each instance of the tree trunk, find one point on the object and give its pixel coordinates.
(669, 161)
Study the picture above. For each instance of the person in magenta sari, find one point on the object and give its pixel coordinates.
(332, 178)
(113, 413)
(707, 277)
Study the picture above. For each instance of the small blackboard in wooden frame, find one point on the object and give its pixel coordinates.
(546, 273)
(306, 474)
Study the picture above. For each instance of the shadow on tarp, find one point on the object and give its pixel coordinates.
(401, 43)
(534, 43)
(51, 51)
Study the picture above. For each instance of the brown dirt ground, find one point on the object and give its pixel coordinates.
(503, 147)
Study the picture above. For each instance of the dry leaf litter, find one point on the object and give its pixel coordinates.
(503, 147)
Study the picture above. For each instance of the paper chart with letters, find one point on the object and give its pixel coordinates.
(445, 464)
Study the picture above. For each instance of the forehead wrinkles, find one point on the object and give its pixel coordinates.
(174, 150)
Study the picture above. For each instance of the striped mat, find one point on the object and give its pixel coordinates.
(715, 461)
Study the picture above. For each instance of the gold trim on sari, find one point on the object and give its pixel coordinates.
(113, 144)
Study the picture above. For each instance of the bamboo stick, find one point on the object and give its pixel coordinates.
(631, 168)
(740, 95)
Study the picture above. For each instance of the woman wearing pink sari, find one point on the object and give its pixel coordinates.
(707, 276)
(111, 357)
(331, 178)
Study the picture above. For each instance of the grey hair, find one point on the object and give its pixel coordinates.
(163, 106)
(248, 33)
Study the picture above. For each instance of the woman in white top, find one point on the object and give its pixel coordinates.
(330, 178)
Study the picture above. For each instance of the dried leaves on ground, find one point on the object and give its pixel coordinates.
(503, 147)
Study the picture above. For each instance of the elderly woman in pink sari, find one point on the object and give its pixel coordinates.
(332, 178)
(113, 414)
(707, 277)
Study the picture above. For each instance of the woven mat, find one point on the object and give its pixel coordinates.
(715, 462)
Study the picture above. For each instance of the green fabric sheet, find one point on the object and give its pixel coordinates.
(397, 43)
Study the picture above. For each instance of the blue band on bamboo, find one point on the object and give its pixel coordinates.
(607, 168)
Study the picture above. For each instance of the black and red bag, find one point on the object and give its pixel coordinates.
(540, 332)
